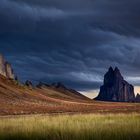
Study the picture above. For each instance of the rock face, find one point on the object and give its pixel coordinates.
(6, 69)
(115, 88)
(137, 99)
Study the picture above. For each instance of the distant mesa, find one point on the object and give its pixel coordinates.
(6, 69)
(115, 88)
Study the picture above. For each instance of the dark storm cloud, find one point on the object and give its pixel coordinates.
(71, 41)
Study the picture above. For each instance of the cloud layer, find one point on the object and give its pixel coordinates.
(71, 41)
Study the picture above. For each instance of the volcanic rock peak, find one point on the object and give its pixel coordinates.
(115, 88)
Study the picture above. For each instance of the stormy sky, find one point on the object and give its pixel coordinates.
(71, 41)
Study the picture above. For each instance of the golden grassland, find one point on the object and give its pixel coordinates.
(71, 127)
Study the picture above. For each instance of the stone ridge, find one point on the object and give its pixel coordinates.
(115, 88)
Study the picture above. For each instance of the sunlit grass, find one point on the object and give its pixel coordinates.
(72, 127)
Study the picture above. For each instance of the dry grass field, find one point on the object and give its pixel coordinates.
(71, 127)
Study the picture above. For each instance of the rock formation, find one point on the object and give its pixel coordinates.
(42, 85)
(137, 99)
(9, 71)
(6, 69)
(115, 88)
(29, 84)
(60, 87)
(53, 85)
(2, 66)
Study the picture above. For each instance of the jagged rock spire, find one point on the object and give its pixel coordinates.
(115, 88)
(110, 69)
(116, 69)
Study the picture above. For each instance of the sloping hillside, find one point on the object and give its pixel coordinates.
(17, 99)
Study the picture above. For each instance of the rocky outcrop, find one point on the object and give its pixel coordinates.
(42, 85)
(115, 88)
(29, 84)
(2, 66)
(6, 69)
(57, 85)
(9, 71)
(137, 99)
(60, 87)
